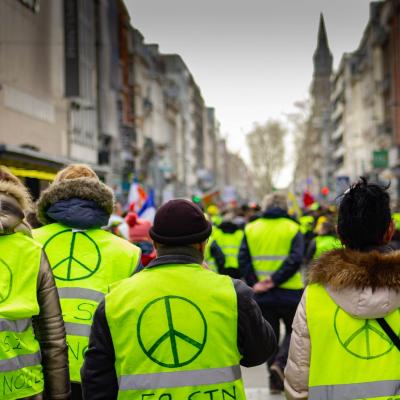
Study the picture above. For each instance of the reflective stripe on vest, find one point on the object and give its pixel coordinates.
(356, 390)
(18, 325)
(369, 362)
(23, 361)
(80, 293)
(75, 329)
(83, 264)
(21, 373)
(269, 242)
(265, 273)
(184, 340)
(269, 258)
(180, 378)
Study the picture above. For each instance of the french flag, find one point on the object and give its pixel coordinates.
(137, 195)
(148, 210)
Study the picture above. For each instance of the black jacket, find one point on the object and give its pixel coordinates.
(256, 341)
(289, 267)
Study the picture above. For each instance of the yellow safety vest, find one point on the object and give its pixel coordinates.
(325, 243)
(208, 258)
(396, 219)
(306, 224)
(230, 245)
(84, 264)
(174, 340)
(20, 360)
(350, 358)
(269, 241)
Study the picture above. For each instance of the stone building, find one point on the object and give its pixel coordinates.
(320, 110)
(79, 84)
(390, 86)
(33, 110)
(178, 73)
(364, 105)
(65, 92)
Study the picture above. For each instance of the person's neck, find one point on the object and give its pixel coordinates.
(180, 251)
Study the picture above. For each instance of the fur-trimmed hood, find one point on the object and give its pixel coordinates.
(81, 188)
(365, 284)
(15, 202)
(18, 192)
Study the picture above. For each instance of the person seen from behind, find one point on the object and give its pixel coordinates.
(85, 259)
(139, 235)
(33, 350)
(175, 330)
(345, 342)
(269, 259)
(325, 240)
(228, 238)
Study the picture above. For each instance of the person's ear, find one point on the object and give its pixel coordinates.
(203, 246)
(389, 232)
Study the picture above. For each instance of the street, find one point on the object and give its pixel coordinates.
(186, 186)
(256, 384)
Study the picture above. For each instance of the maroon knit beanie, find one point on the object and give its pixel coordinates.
(180, 222)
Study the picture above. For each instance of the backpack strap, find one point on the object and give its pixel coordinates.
(389, 331)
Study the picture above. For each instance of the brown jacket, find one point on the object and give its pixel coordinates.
(48, 325)
(365, 285)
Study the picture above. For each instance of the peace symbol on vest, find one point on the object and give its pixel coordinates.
(172, 331)
(73, 255)
(363, 339)
(6, 279)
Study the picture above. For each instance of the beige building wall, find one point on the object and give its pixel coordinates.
(32, 109)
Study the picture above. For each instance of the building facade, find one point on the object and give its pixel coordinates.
(34, 138)
(79, 84)
(320, 127)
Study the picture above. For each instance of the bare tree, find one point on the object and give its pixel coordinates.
(303, 140)
(267, 152)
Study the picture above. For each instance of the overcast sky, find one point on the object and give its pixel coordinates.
(252, 59)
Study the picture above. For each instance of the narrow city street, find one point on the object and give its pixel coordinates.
(186, 186)
(256, 384)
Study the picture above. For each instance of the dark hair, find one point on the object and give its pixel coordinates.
(364, 215)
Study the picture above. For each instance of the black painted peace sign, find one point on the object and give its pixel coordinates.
(173, 348)
(72, 255)
(5, 281)
(367, 341)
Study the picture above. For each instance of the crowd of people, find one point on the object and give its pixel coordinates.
(95, 307)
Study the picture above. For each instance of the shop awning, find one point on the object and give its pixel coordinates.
(32, 173)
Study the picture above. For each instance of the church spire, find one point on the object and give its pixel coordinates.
(322, 36)
(323, 59)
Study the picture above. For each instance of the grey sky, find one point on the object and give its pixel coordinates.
(251, 58)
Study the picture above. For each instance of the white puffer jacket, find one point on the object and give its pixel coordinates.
(365, 285)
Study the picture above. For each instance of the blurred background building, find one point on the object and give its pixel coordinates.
(78, 83)
(354, 122)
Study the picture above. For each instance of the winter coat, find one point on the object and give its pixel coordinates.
(138, 228)
(255, 338)
(276, 297)
(364, 284)
(48, 325)
(86, 204)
